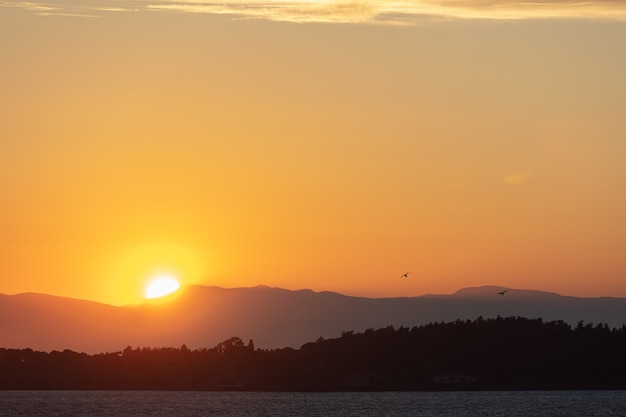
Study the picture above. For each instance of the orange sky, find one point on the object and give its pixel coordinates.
(316, 145)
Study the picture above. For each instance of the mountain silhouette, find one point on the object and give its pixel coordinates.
(201, 316)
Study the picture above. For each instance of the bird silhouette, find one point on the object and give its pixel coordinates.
(405, 275)
(502, 292)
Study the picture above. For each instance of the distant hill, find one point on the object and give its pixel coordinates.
(274, 318)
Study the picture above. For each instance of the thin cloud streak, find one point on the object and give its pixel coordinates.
(400, 12)
(283, 12)
(68, 9)
(351, 11)
(36, 7)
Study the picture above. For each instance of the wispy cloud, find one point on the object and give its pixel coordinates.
(301, 12)
(400, 11)
(69, 8)
(351, 11)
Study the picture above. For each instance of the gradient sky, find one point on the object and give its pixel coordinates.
(331, 145)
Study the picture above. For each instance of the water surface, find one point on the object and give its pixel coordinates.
(272, 404)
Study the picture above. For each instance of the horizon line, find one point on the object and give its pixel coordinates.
(261, 286)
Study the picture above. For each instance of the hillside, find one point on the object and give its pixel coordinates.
(485, 354)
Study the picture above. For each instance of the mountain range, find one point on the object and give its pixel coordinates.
(201, 316)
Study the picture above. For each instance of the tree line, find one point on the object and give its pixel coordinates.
(499, 353)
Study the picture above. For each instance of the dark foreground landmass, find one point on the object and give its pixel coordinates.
(502, 353)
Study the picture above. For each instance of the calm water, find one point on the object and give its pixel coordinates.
(427, 404)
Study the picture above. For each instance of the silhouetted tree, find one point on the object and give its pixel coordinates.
(500, 353)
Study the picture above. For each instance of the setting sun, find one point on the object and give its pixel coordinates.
(161, 285)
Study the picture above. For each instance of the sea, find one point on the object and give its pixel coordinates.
(292, 404)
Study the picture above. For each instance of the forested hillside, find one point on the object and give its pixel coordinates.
(501, 353)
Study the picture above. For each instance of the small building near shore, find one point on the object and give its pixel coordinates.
(455, 378)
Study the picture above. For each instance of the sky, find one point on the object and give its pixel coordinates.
(330, 145)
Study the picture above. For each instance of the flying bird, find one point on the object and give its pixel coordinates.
(405, 275)
(502, 292)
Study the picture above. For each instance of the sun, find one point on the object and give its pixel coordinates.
(161, 285)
